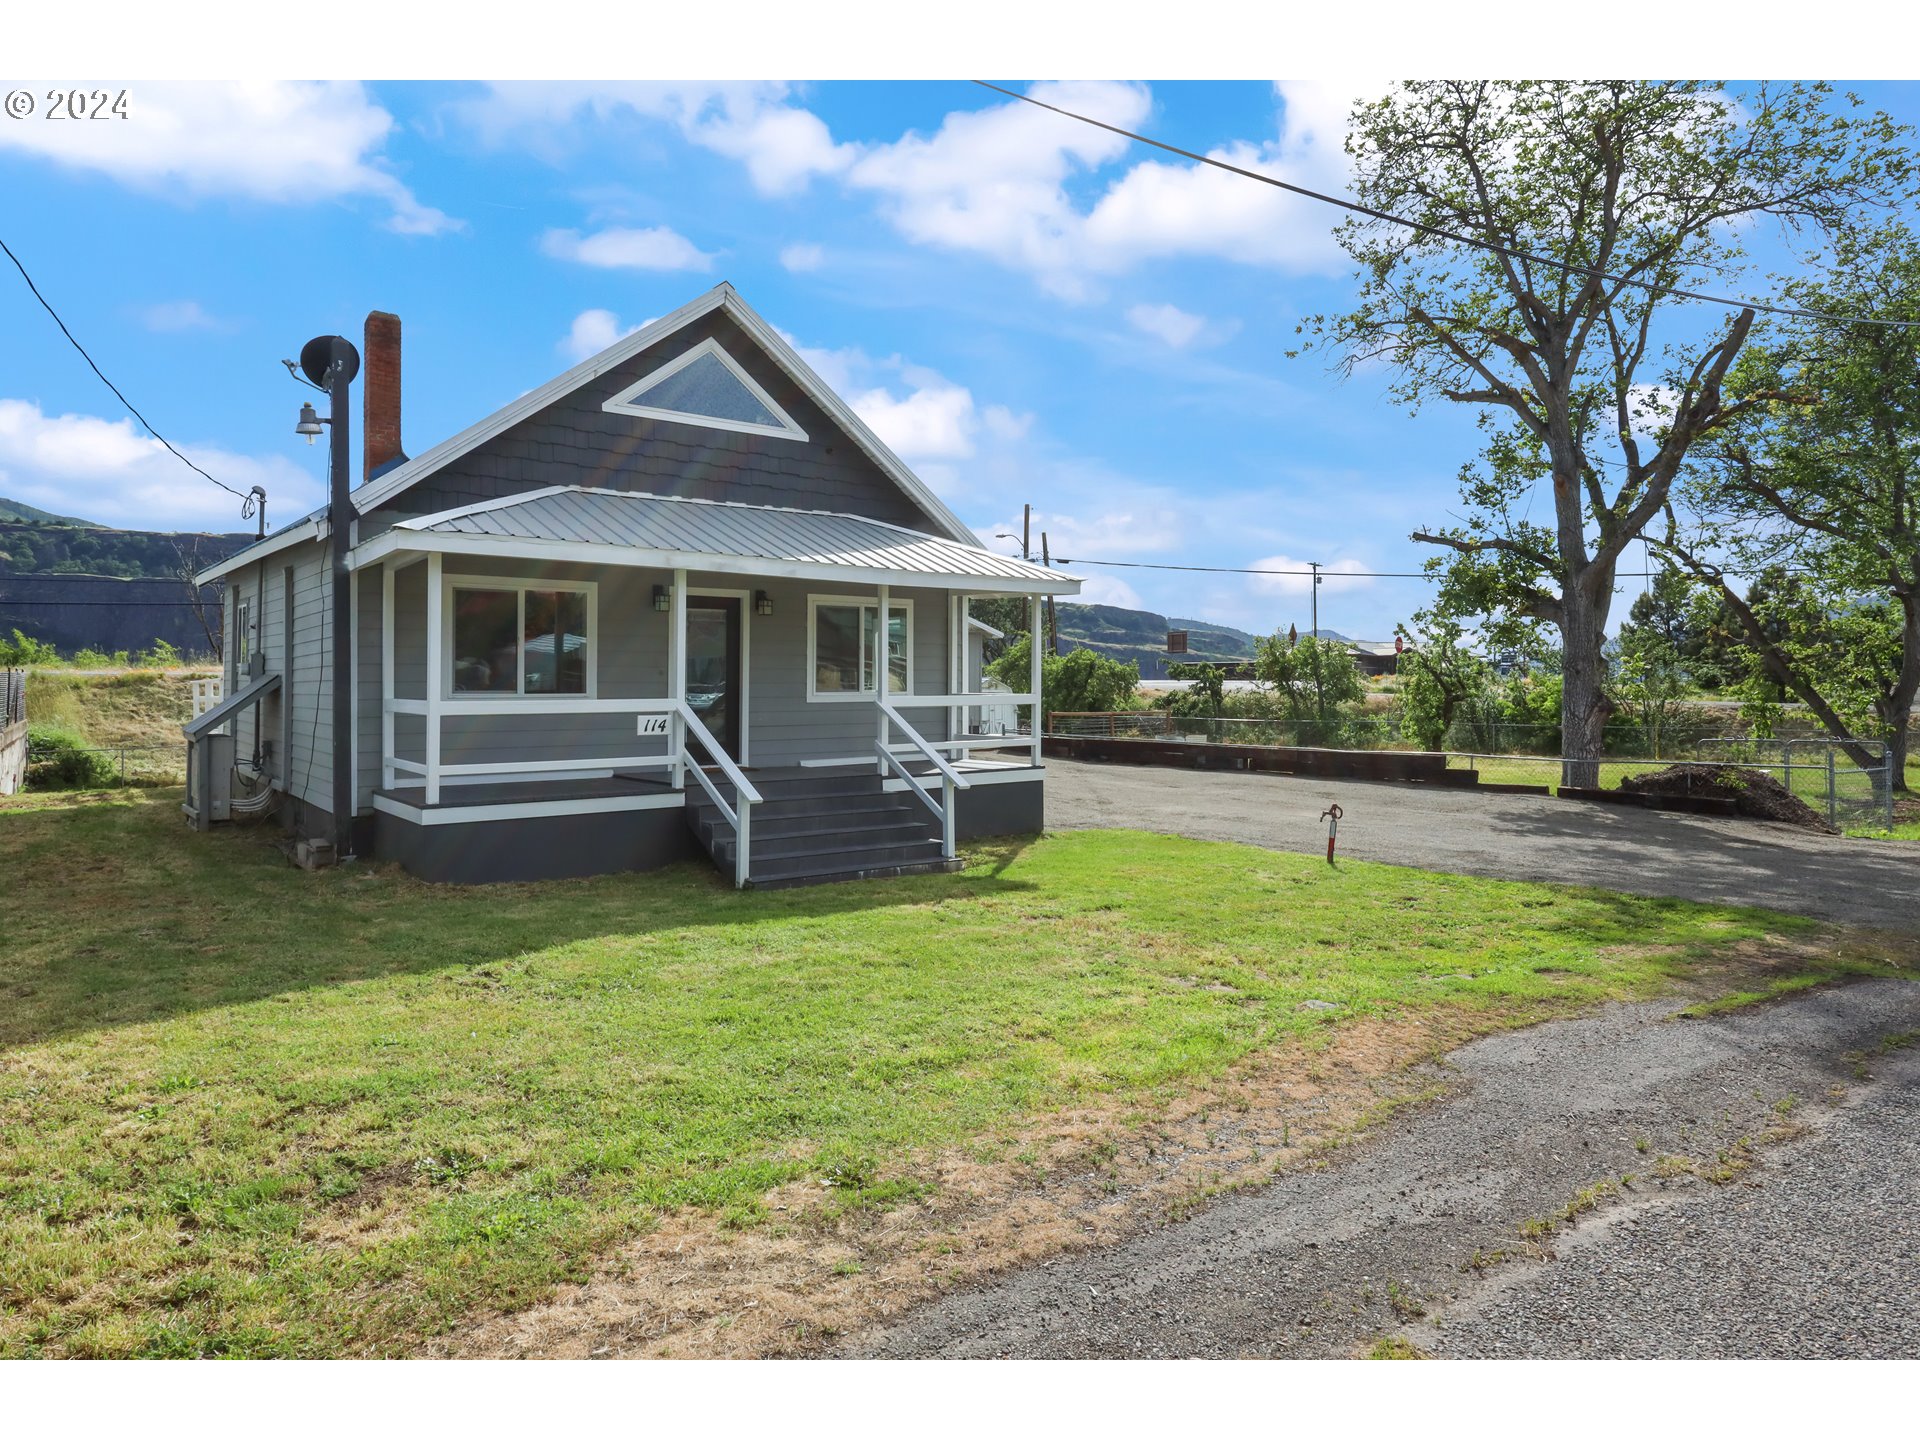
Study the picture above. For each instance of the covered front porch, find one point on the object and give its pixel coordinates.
(536, 664)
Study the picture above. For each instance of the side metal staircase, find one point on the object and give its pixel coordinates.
(812, 827)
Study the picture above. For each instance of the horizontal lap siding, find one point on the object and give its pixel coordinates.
(631, 644)
(308, 684)
(784, 726)
(787, 728)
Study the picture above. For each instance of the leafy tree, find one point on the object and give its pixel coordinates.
(1650, 679)
(1820, 481)
(1083, 680)
(1313, 679)
(1439, 672)
(1205, 698)
(1592, 377)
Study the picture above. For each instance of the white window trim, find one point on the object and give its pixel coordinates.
(871, 602)
(450, 583)
(623, 404)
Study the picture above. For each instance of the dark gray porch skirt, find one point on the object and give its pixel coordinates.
(566, 847)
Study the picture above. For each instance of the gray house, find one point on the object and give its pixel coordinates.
(679, 598)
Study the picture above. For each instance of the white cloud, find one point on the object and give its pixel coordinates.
(1008, 181)
(918, 412)
(1005, 424)
(803, 257)
(1106, 590)
(113, 472)
(1338, 575)
(620, 247)
(994, 181)
(593, 331)
(931, 421)
(1167, 322)
(783, 146)
(172, 317)
(280, 141)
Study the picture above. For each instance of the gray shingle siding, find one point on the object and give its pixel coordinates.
(574, 442)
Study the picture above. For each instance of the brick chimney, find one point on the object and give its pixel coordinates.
(380, 389)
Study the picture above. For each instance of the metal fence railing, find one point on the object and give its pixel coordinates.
(1113, 724)
(128, 764)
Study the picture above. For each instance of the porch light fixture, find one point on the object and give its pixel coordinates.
(661, 599)
(310, 424)
(762, 603)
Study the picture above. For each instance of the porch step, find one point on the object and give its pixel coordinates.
(815, 827)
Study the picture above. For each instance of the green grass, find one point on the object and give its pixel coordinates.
(248, 1110)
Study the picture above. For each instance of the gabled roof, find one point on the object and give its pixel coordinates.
(578, 523)
(722, 297)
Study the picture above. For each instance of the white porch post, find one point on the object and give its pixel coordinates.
(386, 673)
(436, 664)
(964, 664)
(881, 672)
(677, 674)
(1033, 678)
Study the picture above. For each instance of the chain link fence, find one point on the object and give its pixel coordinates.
(1827, 774)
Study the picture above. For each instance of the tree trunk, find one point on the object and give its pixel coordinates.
(1584, 706)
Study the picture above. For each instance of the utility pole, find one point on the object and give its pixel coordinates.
(1315, 566)
(1053, 624)
(1026, 533)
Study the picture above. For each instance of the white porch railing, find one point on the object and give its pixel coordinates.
(679, 726)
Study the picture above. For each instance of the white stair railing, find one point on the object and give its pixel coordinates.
(693, 730)
(951, 780)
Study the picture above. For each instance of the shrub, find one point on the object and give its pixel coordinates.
(58, 759)
(1080, 680)
(24, 650)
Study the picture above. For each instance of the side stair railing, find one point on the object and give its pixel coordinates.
(951, 780)
(693, 730)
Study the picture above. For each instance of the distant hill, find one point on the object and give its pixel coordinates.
(1141, 636)
(86, 587)
(20, 510)
(69, 547)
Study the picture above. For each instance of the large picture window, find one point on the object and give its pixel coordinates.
(846, 654)
(519, 639)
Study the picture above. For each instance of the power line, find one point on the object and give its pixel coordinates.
(246, 508)
(1424, 228)
(1327, 574)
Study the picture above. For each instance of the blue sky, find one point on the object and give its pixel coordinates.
(1026, 309)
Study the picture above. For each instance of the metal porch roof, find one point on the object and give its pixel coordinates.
(576, 515)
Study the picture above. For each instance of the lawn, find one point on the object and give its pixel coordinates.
(248, 1110)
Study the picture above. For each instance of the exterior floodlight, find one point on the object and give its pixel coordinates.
(310, 424)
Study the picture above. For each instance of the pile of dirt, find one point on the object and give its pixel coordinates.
(1753, 792)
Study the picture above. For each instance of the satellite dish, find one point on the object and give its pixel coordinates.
(316, 358)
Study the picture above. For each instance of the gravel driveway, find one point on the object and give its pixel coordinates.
(1800, 1247)
(1512, 837)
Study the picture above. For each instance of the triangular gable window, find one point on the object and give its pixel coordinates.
(706, 386)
